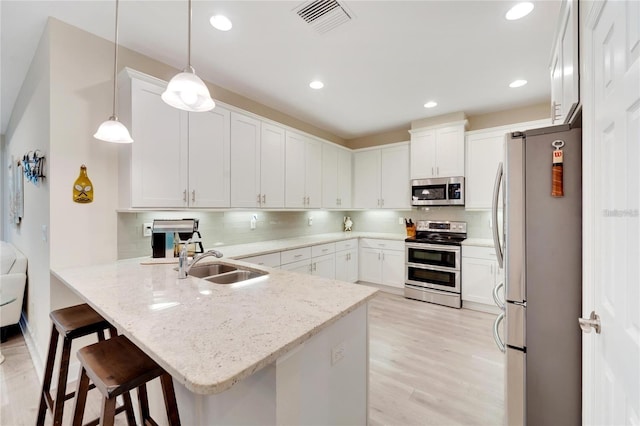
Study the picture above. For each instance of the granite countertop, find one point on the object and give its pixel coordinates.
(480, 242)
(273, 246)
(210, 336)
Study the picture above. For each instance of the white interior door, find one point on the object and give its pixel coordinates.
(611, 365)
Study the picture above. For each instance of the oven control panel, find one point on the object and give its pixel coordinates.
(442, 226)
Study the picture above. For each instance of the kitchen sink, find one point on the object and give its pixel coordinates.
(223, 273)
(207, 270)
(235, 276)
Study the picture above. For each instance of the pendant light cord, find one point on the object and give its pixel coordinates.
(115, 62)
(189, 39)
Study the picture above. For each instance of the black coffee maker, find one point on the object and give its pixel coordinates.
(167, 234)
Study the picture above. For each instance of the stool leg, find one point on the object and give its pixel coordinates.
(108, 414)
(62, 382)
(170, 399)
(128, 407)
(100, 335)
(81, 397)
(113, 332)
(48, 372)
(143, 401)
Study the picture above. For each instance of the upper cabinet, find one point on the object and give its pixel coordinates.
(381, 177)
(438, 151)
(485, 151)
(303, 171)
(564, 67)
(257, 163)
(163, 168)
(336, 177)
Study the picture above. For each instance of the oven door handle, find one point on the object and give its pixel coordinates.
(496, 334)
(432, 267)
(494, 210)
(452, 249)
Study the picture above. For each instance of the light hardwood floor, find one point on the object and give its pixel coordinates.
(429, 365)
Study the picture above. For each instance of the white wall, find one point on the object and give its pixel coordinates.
(28, 130)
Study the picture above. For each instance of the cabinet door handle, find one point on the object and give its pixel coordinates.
(382, 204)
(348, 256)
(298, 255)
(438, 170)
(264, 198)
(383, 256)
(432, 173)
(378, 256)
(193, 196)
(259, 199)
(184, 195)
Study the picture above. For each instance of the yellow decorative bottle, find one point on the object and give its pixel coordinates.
(82, 187)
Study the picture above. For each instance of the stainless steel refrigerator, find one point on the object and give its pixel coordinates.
(540, 246)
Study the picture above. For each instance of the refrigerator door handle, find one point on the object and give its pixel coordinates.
(496, 298)
(494, 210)
(496, 334)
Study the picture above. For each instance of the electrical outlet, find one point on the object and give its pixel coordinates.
(45, 233)
(337, 353)
(401, 221)
(254, 219)
(310, 220)
(146, 229)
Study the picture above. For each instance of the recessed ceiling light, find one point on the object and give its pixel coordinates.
(316, 84)
(221, 22)
(518, 11)
(517, 83)
(430, 104)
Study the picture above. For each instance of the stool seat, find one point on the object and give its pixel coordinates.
(117, 366)
(72, 322)
(79, 320)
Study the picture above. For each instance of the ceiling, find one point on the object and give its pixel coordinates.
(379, 68)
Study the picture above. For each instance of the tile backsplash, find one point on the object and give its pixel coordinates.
(233, 227)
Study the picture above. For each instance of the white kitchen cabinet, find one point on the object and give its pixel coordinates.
(324, 266)
(347, 260)
(209, 161)
(179, 159)
(480, 274)
(381, 177)
(438, 151)
(336, 177)
(303, 171)
(271, 260)
(302, 266)
(257, 163)
(382, 262)
(564, 67)
(272, 178)
(484, 151)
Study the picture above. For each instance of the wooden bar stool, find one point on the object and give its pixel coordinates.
(117, 366)
(72, 323)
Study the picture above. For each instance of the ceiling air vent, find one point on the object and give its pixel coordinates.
(324, 15)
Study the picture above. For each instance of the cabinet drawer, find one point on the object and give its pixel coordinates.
(346, 245)
(488, 253)
(272, 260)
(322, 249)
(302, 266)
(295, 255)
(382, 244)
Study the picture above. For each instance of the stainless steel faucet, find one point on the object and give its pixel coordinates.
(183, 261)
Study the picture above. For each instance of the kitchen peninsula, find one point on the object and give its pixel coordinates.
(285, 348)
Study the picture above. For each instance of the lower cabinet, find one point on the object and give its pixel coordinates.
(480, 274)
(316, 260)
(382, 262)
(347, 260)
(271, 260)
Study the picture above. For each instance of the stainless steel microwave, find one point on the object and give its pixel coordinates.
(447, 191)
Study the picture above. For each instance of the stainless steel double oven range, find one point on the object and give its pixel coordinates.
(433, 262)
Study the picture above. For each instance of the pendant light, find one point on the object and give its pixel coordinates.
(112, 130)
(185, 90)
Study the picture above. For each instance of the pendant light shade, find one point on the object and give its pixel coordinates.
(112, 130)
(186, 90)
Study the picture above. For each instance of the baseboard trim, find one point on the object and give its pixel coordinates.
(475, 306)
(36, 358)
